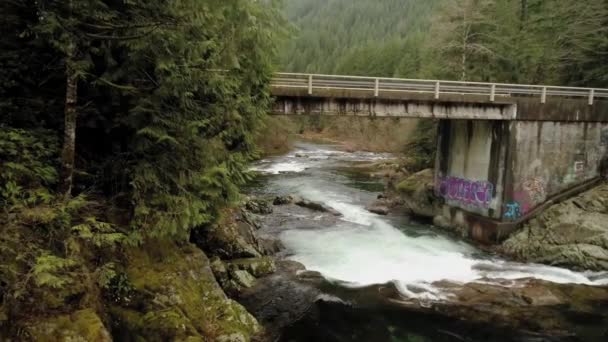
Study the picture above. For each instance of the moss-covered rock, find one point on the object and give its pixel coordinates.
(178, 298)
(570, 234)
(259, 206)
(257, 267)
(84, 325)
(232, 237)
(417, 193)
(242, 278)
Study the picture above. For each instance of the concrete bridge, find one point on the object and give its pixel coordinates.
(505, 151)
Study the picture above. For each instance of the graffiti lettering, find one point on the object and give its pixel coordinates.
(513, 211)
(579, 168)
(535, 188)
(468, 192)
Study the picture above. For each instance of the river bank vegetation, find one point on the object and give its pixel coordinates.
(125, 127)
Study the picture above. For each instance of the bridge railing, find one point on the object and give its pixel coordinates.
(376, 85)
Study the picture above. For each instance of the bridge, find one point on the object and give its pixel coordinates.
(505, 151)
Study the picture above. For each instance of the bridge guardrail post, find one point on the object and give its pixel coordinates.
(543, 96)
(310, 84)
(437, 88)
(376, 87)
(591, 96)
(493, 92)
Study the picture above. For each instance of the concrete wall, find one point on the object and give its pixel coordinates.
(546, 158)
(454, 106)
(470, 168)
(383, 107)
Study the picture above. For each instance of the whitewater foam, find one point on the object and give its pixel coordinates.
(365, 249)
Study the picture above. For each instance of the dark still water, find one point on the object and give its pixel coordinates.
(385, 278)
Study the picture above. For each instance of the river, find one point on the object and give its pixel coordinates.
(360, 249)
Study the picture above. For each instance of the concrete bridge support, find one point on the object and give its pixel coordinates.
(493, 175)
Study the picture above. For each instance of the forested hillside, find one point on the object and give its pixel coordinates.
(355, 36)
(527, 41)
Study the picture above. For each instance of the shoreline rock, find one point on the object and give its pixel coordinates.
(571, 234)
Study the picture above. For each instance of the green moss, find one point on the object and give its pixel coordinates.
(83, 325)
(162, 325)
(408, 186)
(257, 267)
(175, 287)
(416, 182)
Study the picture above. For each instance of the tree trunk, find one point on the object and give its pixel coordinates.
(523, 14)
(69, 131)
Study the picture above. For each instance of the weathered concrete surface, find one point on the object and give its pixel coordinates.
(505, 170)
(392, 108)
(571, 234)
(547, 158)
(411, 104)
(470, 166)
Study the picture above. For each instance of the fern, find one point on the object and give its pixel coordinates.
(52, 271)
(101, 234)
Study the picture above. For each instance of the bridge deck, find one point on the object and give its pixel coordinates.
(343, 95)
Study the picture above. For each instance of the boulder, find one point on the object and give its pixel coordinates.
(83, 325)
(417, 193)
(315, 206)
(283, 200)
(570, 234)
(258, 206)
(257, 267)
(378, 209)
(177, 298)
(233, 237)
(242, 278)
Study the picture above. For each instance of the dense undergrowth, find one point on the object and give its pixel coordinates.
(166, 98)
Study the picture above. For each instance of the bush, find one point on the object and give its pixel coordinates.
(421, 150)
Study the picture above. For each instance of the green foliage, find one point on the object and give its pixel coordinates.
(114, 283)
(175, 91)
(525, 41)
(27, 166)
(100, 234)
(52, 271)
(356, 36)
(421, 148)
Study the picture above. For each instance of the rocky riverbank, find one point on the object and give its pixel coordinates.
(572, 234)
(290, 300)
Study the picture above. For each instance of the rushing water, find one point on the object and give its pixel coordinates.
(362, 248)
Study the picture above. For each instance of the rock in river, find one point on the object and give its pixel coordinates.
(258, 206)
(378, 209)
(317, 207)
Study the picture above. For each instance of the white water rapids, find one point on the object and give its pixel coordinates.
(363, 248)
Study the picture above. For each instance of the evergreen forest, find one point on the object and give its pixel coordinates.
(127, 130)
(557, 42)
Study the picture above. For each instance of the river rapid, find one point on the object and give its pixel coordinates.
(360, 249)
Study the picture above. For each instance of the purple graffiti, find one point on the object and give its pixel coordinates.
(468, 192)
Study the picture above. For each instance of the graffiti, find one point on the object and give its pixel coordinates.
(535, 189)
(468, 192)
(579, 168)
(522, 198)
(575, 172)
(513, 211)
